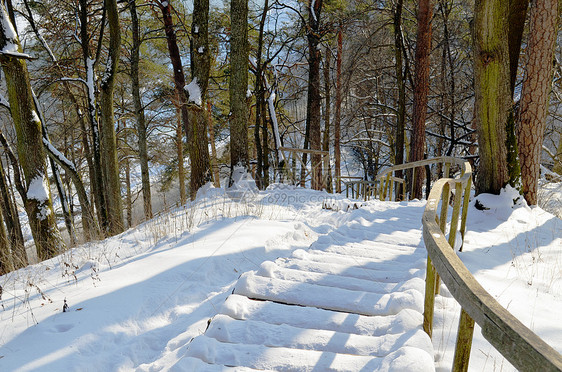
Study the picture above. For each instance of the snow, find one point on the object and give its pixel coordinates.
(312, 4)
(194, 92)
(273, 115)
(90, 80)
(10, 33)
(37, 189)
(142, 300)
(52, 149)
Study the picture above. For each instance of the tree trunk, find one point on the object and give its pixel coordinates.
(200, 65)
(492, 93)
(314, 96)
(534, 96)
(238, 86)
(91, 228)
(13, 227)
(128, 194)
(326, 140)
(139, 112)
(97, 179)
(179, 149)
(401, 87)
(516, 24)
(6, 264)
(260, 106)
(112, 184)
(214, 162)
(421, 87)
(38, 205)
(337, 119)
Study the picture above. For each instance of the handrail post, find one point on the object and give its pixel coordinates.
(455, 215)
(412, 182)
(464, 343)
(386, 185)
(429, 301)
(466, 201)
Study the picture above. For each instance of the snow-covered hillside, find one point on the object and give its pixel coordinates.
(136, 300)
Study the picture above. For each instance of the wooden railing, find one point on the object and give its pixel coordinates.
(517, 343)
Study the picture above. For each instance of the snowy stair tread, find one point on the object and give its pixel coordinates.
(353, 307)
(212, 351)
(196, 364)
(252, 332)
(272, 270)
(331, 298)
(358, 271)
(388, 262)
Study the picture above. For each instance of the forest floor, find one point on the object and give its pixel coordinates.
(135, 301)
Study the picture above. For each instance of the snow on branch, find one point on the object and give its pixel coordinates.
(57, 154)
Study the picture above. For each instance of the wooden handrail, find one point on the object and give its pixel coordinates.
(518, 344)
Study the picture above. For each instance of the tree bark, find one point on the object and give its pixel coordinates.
(337, 118)
(38, 204)
(112, 183)
(238, 86)
(200, 65)
(516, 23)
(5, 252)
(421, 87)
(535, 92)
(179, 148)
(91, 228)
(11, 219)
(327, 184)
(139, 112)
(6, 256)
(401, 87)
(214, 162)
(492, 92)
(97, 179)
(261, 121)
(314, 96)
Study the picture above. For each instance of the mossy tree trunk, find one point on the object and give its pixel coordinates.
(38, 203)
(535, 93)
(112, 183)
(238, 86)
(492, 92)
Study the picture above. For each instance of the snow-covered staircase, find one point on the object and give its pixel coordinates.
(355, 306)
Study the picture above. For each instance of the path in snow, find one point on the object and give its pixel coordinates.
(353, 301)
